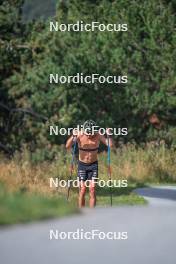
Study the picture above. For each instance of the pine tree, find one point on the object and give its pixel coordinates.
(145, 53)
(12, 35)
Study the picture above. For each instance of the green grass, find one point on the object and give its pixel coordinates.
(120, 196)
(131, 199)
(19, 206)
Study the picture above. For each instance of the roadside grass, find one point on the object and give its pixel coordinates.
(120, 196)
(22, 207)
(25, 192)
(130, 199)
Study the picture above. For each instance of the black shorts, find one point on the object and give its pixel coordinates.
(87, 171)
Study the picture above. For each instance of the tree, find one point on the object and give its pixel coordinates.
(145, 53)
(12, 52)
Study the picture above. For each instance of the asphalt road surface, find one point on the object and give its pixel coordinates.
(150, 232)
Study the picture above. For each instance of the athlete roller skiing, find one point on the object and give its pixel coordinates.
(88, 140)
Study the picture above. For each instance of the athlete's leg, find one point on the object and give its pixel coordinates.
(82, 193)
(93, 177)
(92, 201)
(82, 187)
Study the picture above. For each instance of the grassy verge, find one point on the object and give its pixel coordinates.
(120, 196)
(20, 206)
(25, 193)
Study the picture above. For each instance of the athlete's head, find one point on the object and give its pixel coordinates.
(90, 127)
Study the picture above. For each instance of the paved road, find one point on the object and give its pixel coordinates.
(151, 235)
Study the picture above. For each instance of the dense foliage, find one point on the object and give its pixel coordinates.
(146, 53)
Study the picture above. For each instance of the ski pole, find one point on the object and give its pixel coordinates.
(109, 167)
(71, 169)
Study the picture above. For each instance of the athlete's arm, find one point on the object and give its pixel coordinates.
(72, 139)
(70, 142)
(104, 140)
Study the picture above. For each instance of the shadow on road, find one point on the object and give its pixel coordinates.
(157, 192)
